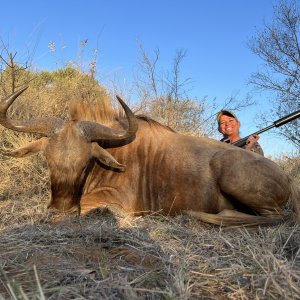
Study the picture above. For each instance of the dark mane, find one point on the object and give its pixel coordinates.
(152, 122)
(101, 111)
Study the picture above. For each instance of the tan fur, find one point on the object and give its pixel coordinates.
(236, 218)
(295, 198)
(154, 123)
(100, 112)
(159, 170)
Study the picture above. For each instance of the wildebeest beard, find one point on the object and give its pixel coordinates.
(67, 188)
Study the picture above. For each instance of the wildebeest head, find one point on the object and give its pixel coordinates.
(69, 147)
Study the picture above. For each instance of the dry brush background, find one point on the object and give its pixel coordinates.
(107, 256)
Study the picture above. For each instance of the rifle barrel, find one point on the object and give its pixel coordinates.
(287, 118)
(278, 123)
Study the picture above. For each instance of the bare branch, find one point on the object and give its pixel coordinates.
(278, 47)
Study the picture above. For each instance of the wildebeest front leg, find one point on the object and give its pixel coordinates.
(105, 197)
(31, 148)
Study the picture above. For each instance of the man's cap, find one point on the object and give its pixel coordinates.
(225, 112)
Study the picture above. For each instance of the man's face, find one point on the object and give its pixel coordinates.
(229, 125)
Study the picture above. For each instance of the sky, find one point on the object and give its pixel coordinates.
(214, 34)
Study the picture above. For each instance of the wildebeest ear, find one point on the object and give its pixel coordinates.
(31, 148)
(106, 158)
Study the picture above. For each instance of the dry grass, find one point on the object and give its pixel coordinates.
(104, 256)
(291, 164)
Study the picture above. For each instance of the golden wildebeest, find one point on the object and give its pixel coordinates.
(140, 166)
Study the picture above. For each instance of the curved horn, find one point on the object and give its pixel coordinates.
(132, 122)
(46, 126)
(94, 131)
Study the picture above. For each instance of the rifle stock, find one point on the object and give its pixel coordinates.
(242, 142)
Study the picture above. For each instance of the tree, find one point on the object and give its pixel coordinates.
(164, 96)
(278, 47)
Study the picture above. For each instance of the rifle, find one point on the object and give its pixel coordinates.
(242, 142)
